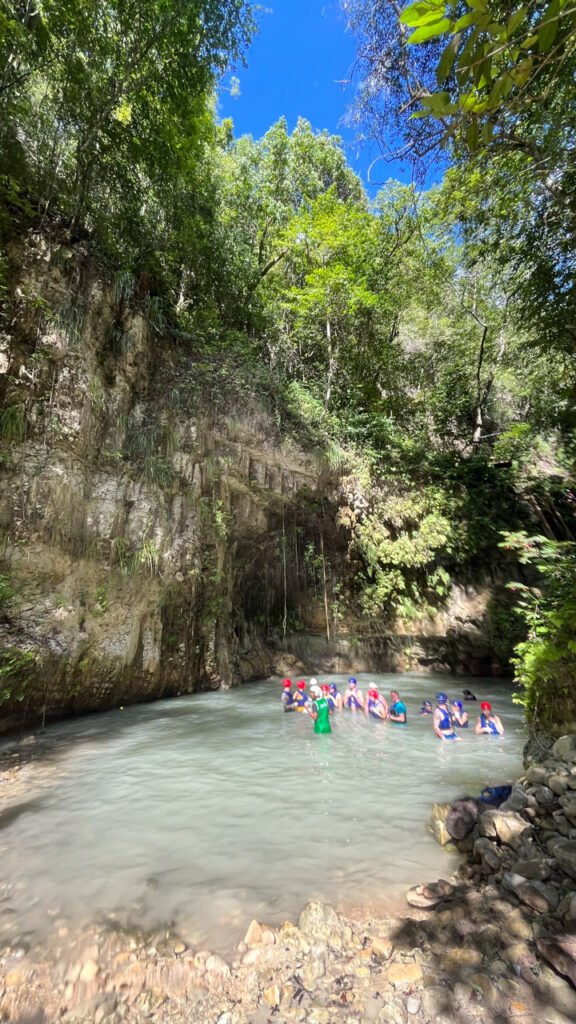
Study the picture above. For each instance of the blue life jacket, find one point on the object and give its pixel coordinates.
(445, 724)
(301, 698)
(491, 725)
(289, 697)
(372, 705)
(352, 697)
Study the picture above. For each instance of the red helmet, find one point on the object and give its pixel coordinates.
(485, 706)
(301, 684)
(287, 683)
(373, 694)
(325, 688)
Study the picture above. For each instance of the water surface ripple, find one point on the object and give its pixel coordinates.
(211, 809)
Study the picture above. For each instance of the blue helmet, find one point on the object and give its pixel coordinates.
(441, 698)
(457, 704)
(426, 704)
(352, 681)
(332, 687)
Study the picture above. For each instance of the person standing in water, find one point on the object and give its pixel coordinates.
(300, 697)
(441, 721)
(488, 722)
(335, 698)
(287, 698)
(353, 698)
(320, 711)
(458, 715)
(426, 708)
(376, 706)
(468, 695)
(397, 709)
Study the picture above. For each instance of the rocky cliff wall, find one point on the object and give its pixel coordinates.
(155, 525)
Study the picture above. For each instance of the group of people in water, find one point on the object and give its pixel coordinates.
(448, 717)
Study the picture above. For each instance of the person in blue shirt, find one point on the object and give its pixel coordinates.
(426, 708)
(458, 715)
(397, 709)
(442, 722)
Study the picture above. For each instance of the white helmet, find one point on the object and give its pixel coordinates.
(313, 682)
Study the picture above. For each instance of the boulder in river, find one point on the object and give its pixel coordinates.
(564, 749)
(319, 921)
(461, 818)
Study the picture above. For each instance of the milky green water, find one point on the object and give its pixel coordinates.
(212, 809)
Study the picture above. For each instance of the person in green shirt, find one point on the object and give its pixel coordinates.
(320, 711)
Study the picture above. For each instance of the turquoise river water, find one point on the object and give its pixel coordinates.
(209, 810)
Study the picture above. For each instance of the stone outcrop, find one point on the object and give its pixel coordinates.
(155, 523)
(526, 851)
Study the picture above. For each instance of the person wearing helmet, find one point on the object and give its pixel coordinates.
(287, 698)
(397, 709)
(335, 698)
(353, 698)
(376, 706)
(458, 715)
(300, 697)
(319, 708)
(468, 695)
(488, 722)
(426, 708)
(441, 721)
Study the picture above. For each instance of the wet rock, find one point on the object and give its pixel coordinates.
(554, 991)
(564, 749)
(89, 971)
(412, 1005)
(517, 925)
(536, 868)
(568, 805)
(487, 989)
(564, 850)
(567, 908)
(272, 995)
(382, 947)
(535, 895)
(487, 852)
(508, 826)
(404, 974)
(435, 1001)
(461, 818)
(544, 795)
(218, 966)
(517, 800)
(536, 774)
(254, 934)
(321, 922)
(438, 824)
(519, 956)
(560, 952)
(460, 956)
(558, 784)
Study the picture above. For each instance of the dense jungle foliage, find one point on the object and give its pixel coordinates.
(423, 340)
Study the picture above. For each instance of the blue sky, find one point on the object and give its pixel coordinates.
(297, 66)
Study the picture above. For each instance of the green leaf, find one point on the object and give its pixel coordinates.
(478, 5)
(514, 20)
(446, 62)
(438, 103)
(464, 22)
(413, 14)
(421, 35)
(472, 136)
(549, 27)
